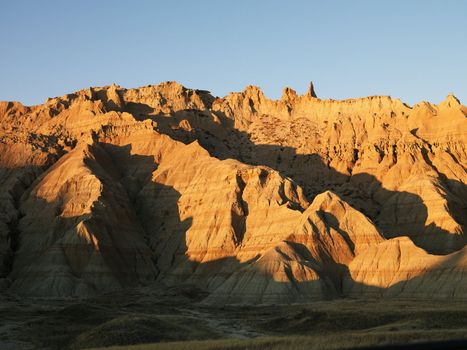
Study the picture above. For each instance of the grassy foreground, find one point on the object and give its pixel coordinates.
(341, 341)
(159, 320)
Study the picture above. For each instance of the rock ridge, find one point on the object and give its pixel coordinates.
(255, 201)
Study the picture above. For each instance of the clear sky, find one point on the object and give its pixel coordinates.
(409, 49)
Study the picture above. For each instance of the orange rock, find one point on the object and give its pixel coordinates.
(254, 200)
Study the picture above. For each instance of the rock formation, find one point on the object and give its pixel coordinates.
(254, 200)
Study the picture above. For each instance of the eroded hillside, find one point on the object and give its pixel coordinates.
(250, 199)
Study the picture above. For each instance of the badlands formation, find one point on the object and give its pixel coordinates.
(255, 201)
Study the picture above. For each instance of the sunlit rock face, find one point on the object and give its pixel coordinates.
(254, 200)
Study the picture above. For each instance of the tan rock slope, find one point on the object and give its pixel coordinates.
(251, 199)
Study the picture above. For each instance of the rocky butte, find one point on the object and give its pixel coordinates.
(255, 201)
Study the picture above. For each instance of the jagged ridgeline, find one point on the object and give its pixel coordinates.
(251, 199)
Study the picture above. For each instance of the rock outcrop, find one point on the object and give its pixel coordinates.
(398, 268)
(79, 235)
(252, 199)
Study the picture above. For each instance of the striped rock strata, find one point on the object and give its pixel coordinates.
(251, 199)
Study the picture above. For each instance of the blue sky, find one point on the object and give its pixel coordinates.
(413, 50)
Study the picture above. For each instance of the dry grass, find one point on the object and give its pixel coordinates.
(334, 341)
(176, 322)
(140, 328)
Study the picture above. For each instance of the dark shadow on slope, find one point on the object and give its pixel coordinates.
(217, 134)
(331, 273)
(103, 249)
(457, 207)
(44, 150)
(405, 214)
(331, 221)
(14, 182)
(133, 170)
(154, 207)
(138, 110)
(135, 222)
